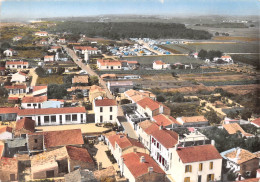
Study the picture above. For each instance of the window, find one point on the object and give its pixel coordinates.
(35, 140)
(210, 177)
(74, 117)
(157, 145)
(12, 177)
(111, 109)
(53, 119)
(68, 118)
(200, 167)
(211, 165)
(50, 174)
(111, 117)
(28, 105)
(118, 66)
(46, 119)
(101, 109)
(101, 119)
(188, 168)
(187, 179)
(34, 105)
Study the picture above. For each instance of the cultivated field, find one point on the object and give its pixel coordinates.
(53, 79)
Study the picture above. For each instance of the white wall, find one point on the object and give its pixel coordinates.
(105, 114)
(5, 136)
(31, 105)
(41, 119)
(17, 77)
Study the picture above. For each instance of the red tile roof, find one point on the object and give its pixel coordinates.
(79, 154)
(163, 120)
(104, 62)
(63, 110)
(256, 121)
(150, 103)
(25, 123)
(22, 73)
(36, 88)
(250, 180)
(159, 62)
(166, 137)
(2, 68)
(63, 138)
(198, 153)
(106, 102)
(113, 138)
(39, 99)
(17, 62)
(8, 110)
(13, 98)
(126, 142)
(137, 168)
(89, 48)
(15, 87)
(152, 128)
(6, 129)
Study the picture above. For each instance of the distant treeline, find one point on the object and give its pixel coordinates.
(224, 25)
(118, 30)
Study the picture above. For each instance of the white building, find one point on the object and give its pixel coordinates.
(227, 59)
(162, 143)
(6, 133)
(41, 34)
(40, 90)
(33, 102)
(19, 77)
(16, 65)
(109, 64)
(48, 58)
(87, 49)
(54, 116)
(105, 111)
(159, 65)
(10, 52)
(193, 121)
(201, 163)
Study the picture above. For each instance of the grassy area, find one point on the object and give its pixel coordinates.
(52, 79)
(167, 59)
(30, 54)
(247, 39)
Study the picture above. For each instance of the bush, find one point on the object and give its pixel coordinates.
(40, 72)
(56, 91)
(160, 98)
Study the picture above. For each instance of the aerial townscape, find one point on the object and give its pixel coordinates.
(123, 96)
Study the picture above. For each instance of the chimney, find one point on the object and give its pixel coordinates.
(161, 127)
(213, 142)
(142, 159)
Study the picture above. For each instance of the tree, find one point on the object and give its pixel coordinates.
(212, 117)
(56, 91)
(93, 80)
(232, 115)
(160, 98)
(60, 70)
(3, 92)
(40, 72)
(202, 54)
(245, 114)
(216, 34)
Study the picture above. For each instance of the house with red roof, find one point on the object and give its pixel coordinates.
(105, 110)
(137, 166)
(144, 130)
(8, 113)
(121, 144)
(105, 64)
(24, 126)
(160, 65)
(49, 58)
(196, 163)
(41, 34)
(256, 122)
(165, 121)
(148, 106)
(8, 169)
(19, 77)
(86, 50)
(6, 132)
(61, 41)
(54, 116)
(162, 143)
(2, 71)
(33, 102)
(16, 89)
(39, 90)
(193, 121)
(16, 65)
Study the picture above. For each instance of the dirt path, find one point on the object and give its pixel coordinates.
(34, 77)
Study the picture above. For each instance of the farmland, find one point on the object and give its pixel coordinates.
(53, 79)
(226, 48)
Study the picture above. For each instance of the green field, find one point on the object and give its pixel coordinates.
(226, 48)
(167, 59)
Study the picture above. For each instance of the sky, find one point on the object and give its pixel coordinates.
(73, 8)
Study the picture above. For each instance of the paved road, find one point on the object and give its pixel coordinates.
(128, 128)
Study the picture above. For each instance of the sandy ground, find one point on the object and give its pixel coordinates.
(101, 155)
(85, 128)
